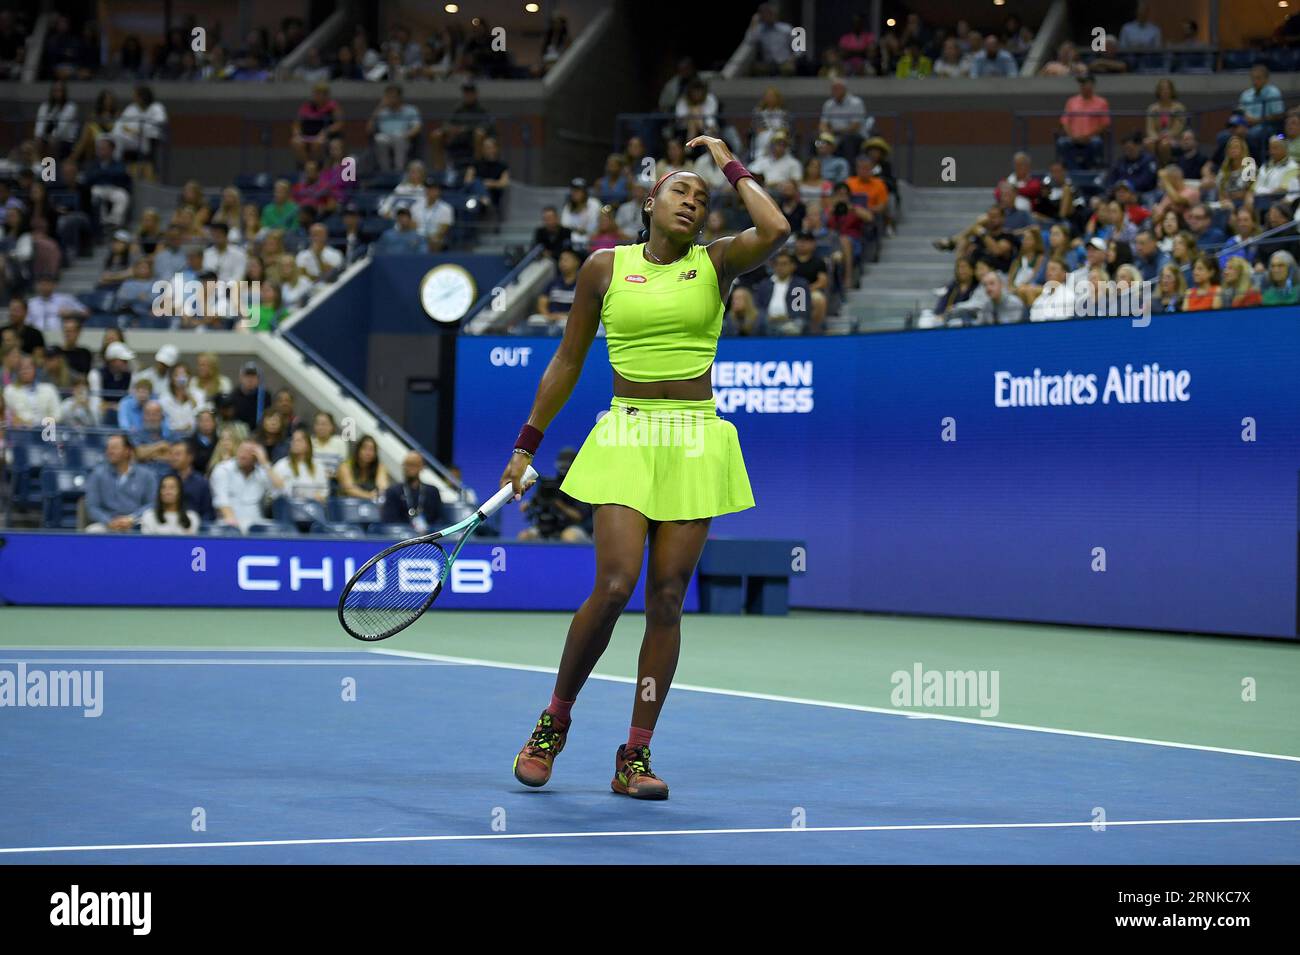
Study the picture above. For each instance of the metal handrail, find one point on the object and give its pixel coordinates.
(354, 392)
(485, 299)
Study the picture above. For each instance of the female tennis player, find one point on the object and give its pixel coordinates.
(661, 463)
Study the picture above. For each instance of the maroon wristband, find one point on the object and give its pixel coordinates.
(529, 439)
(736, 171)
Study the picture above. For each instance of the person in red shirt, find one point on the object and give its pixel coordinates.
(1127, 197)
(848, 222)
(314, 191)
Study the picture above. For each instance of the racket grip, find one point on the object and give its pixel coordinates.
(507, 491)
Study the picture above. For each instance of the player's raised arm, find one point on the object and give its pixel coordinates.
(749, 249)
(565, 365)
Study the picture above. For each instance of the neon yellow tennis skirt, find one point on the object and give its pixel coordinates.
(671, 460)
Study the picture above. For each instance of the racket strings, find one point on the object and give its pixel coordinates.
(395, 591)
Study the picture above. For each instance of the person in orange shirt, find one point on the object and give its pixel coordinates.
(865, 182)
(1205, 295)
(1086, 117)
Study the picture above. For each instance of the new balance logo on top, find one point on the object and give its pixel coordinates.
(686, 275)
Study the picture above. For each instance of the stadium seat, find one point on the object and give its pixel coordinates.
(98, 300)
(272, 529)
(29, 460)
(299, 513)
(223, 530)
(353, 510)
(338, 530)
(61, 489)
(255, 180)
(83, 457)
(1238, 60)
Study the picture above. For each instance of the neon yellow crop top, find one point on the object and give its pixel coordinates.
(662, 321)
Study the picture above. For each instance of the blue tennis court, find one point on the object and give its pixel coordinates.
(415, 767)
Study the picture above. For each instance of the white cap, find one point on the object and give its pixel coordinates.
(119, 351)
(168, 355)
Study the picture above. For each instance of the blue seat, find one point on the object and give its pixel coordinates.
(353, 510)
(83, 457)
(384, 181)
(253, 180)
(351, 531)
(29, 460)
(294, 512)
(101, 320)
(61, 490)
(1238, 60)
(223, 530)
(273, 529)
(98, 300)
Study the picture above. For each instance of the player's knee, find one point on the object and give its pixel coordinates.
(664, 602)
(613, 591)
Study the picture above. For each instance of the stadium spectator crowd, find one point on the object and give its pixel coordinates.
(184, 446)
(1192, 231)
(192, 51)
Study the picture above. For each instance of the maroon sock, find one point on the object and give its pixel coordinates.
(560, 710)
(636, 736)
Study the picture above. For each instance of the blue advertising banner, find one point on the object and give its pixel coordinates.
(282, 572)
(1085, 472)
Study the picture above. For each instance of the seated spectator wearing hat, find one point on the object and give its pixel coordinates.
(1126, 195)
(356, 245)
(119, 489)
(554, 237)
(434, 216)
(1279, 177)
(811, 267)
(411, 501)
(1085, 119)
(30, 402)
(580, 214)
(460, 139)
(1135, 165)
(835, 168)
(403, 238)
(47, 308)
(1095, 258)
(779, 166)
(160, 372)
(117, 264)
(783, 299)
(111, 383)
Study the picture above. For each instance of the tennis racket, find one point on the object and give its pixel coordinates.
(397, 585)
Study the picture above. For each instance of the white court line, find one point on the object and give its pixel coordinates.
(618, 834)
(775, 698)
